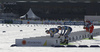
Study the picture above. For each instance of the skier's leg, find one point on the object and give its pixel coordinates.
(91, 30)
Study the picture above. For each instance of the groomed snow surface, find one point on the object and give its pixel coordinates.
(10, 32)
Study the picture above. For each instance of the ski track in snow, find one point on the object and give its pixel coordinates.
(13, 32)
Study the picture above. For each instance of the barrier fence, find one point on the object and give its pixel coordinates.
(46, 22)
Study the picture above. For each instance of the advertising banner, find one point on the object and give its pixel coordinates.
(37, 42)
(73, 23)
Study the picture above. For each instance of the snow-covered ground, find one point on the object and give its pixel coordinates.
(12, 32)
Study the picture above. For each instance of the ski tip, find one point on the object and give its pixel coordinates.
(58, 46)
(71, 46)
(94, 46)
(83, 46)
(13, 45)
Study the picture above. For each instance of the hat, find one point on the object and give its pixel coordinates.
(47, 31)
(59, 27)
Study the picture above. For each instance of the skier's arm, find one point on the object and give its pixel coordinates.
(61, 31)
(64, 31)
(51, 33)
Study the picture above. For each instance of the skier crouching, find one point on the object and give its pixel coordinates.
(65, 31)
(52, 31)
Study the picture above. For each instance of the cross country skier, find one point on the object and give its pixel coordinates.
(52, 31)
(65, 31)
(89, 28)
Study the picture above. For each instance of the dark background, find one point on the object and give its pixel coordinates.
(55, 10)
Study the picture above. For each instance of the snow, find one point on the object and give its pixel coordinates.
(12, 32)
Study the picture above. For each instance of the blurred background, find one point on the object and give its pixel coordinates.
(73, 10)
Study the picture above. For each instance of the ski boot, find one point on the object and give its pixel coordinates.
(91, 37)
(65, 42)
